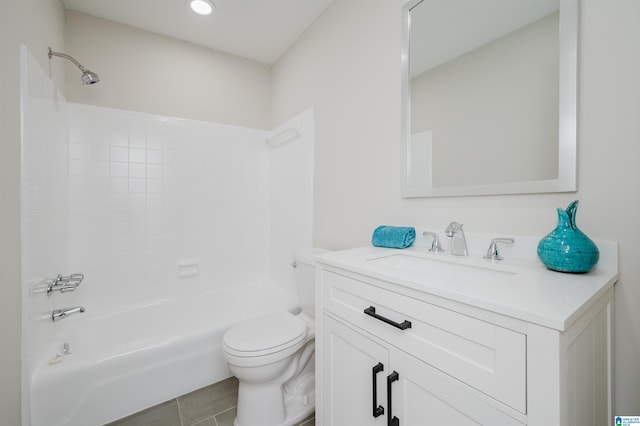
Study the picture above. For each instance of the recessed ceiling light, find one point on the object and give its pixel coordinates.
(202, 7)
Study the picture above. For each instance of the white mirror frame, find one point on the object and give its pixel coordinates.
(567, 135)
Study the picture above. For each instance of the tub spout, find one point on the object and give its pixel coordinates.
(59, 314)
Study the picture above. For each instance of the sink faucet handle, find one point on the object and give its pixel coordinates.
(436, 247)
(492, 252)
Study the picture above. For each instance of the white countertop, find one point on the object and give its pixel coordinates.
(518, 287)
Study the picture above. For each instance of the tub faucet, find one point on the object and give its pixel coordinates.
(64, 284)
(59, 314)
(458, 242)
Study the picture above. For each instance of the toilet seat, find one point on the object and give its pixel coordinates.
(265, 335)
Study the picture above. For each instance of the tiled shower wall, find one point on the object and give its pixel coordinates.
(291, 166)
(43, 210)
(149, 193)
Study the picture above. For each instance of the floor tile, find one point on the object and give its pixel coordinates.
(208, 401)
(206, 422)
(213, 405)
(226, 418)
(309, 421)
(165, 414)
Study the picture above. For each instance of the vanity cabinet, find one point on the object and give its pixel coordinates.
(419, 393)
(390, 352)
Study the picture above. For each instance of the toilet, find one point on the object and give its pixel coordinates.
(273, 357)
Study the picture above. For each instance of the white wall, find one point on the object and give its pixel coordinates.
(142, 71)
(347, 66)
(10, 213)
(37, 24)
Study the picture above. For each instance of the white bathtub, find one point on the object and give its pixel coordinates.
(123, 362)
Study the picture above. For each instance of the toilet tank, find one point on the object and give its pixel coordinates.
(305, 277)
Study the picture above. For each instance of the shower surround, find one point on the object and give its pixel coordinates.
(155, 211)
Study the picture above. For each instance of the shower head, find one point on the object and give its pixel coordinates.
(88, 77)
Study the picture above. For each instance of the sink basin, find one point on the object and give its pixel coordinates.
(443, 270)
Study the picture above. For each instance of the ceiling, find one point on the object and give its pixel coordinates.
(261, 30)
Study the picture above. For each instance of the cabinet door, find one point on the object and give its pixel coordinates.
(349, 359)
(424, 396)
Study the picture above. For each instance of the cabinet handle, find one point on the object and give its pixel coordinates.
(371, 311)
(391, 419)
(378, 410)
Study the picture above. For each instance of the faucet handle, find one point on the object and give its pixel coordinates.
(64, 284)
(435, 245)
(492, 252)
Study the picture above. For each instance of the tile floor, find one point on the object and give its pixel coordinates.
(213, 405)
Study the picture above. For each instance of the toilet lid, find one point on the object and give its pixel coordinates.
(268, 333)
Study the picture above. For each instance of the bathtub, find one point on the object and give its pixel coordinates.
(125, 361)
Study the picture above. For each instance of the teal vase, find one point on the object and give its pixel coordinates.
(566, 248)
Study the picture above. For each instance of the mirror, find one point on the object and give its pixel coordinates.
(489, 97)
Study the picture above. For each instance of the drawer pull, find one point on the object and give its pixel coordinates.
(371, 311)
(391, 419)
(378, 410)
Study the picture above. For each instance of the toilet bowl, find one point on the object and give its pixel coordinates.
(273, 358)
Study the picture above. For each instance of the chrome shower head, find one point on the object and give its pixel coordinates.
(88, 77)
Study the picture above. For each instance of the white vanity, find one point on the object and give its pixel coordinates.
(410, 338)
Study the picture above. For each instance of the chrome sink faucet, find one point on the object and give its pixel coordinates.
(458, 242)
(59, 314)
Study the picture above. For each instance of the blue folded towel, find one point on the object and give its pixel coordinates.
(393, 236)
